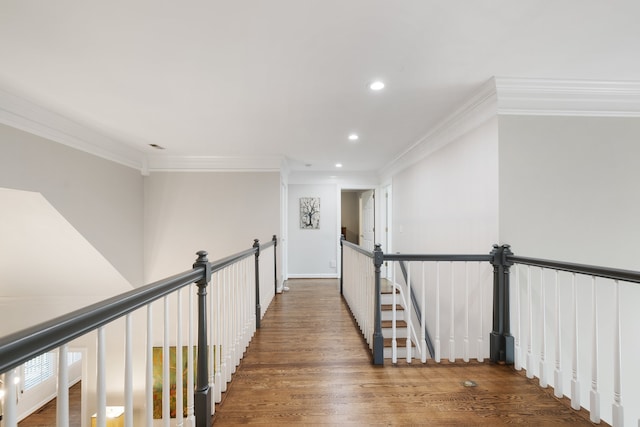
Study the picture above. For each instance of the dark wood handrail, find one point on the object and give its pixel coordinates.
(22, 346)
(590, 270)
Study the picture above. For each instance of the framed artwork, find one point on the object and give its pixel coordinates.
(173, 371)
(310, 212)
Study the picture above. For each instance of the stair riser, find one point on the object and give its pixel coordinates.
(388, 315)
(400, 332)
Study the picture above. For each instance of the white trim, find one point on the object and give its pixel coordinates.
(314, 276)
(478, 109)
(29, 117)
(589, 98)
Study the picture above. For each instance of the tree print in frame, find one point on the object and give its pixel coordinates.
(310, 212)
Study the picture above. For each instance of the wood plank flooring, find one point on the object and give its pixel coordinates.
(308, 365)
(46, 415)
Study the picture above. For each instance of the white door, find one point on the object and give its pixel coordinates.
(367, 219)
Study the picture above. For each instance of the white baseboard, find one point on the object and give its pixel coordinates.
(313, 276)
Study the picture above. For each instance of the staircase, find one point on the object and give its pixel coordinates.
(386, 300)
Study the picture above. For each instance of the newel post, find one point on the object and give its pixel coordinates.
(501, 344)
(202, 393)
(378, 339)
(256, 245)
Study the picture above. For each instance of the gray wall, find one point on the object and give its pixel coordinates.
(219, 212)
(569, 188)
(101, 199)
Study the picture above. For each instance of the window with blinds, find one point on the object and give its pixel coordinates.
(38, 370)
(43, 367)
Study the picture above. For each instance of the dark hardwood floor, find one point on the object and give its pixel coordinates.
(46, 416)
(309, 365)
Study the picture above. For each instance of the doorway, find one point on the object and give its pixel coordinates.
(358, 217)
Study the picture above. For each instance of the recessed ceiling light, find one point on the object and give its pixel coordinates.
(353, 137)
(338, 165)
(377, 85)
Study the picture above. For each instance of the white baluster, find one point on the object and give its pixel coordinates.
(166, 385)
(617, 409)
(575, 384)
(394, 343)
(408, 313)
(437, 340)
(594, 395)
(128, 373)
(101, 387)
(557, 373)
(62, 399)
(179, 364)
(191, 419)
(212, 339)
(149, 370)
(517, 355)
(452, 313)
(216, 345)
(423, 321)
(10, 399)
(481, 337)
(466, 312)
(543, 345)
(529, 367)
(229, 327)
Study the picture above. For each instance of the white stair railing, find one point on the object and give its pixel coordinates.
(113, 356)
(588, 299)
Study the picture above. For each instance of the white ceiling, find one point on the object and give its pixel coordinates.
(288, 78)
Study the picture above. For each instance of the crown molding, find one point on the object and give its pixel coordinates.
(156, 163)
(548, 97)
(481, 107)
(21, 114)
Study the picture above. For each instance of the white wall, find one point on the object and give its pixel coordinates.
(101, 199)
(218, 212)
(313, 253)
(569, 191)
(448, 202)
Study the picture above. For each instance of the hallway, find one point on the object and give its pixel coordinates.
(308, 365)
